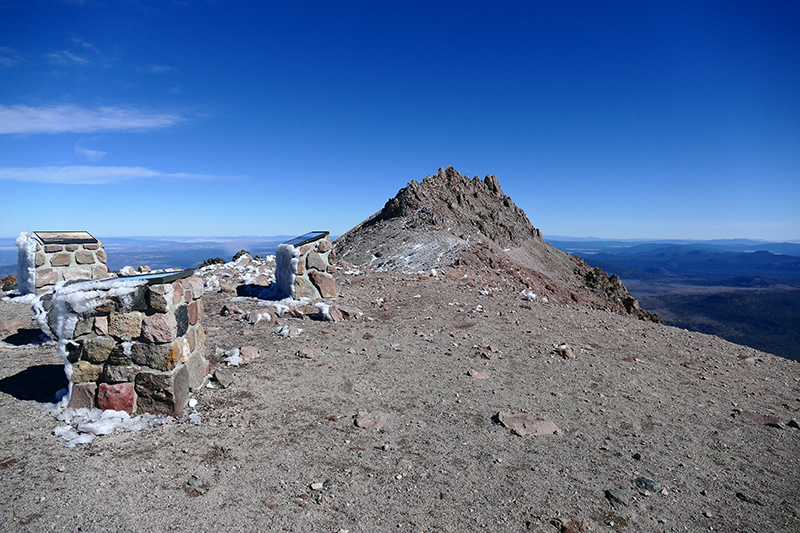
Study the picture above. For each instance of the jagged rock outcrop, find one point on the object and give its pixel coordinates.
(453, 220)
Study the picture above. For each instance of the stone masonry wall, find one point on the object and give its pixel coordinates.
(135, 349)
(67, 262)
(314, 277)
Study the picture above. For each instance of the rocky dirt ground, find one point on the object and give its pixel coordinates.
(660, 429)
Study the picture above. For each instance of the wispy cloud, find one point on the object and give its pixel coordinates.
(9, 57)
(155, 68)
(70, 118)
(91, 155)
(65, 57)
(87, 175)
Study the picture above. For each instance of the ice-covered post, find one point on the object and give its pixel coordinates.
(303, 267)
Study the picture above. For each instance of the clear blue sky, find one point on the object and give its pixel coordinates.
(608, 119)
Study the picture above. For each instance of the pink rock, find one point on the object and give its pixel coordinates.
(160, 327)
(84, 257)
(119, 397)
(248, 353)
(101, 325)
(195, 312)
(374, 420)
(61, 259)
(177, 294)
(51, 248)
(525, 424)
(324, 283)
(194, 285)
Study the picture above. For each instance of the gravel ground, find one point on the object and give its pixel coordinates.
(660, 429)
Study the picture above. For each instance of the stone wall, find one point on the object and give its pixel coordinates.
(40, 266)
(310, 268)
(133, 344)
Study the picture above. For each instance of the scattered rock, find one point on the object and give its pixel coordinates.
(566, 351)
(248, 353)
(525, 424)
(309, 353)
(647, 484)
(223, 377)
(615, 498)
(230, 309)
(571, 526)
(755, 418)
(374, 420)
(477, 374)
(745, 498)
(793, 423)
(8, 283)
(288, 331)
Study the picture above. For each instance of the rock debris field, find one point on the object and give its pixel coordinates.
(451, 404)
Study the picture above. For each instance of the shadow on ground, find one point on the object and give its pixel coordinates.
(27, 336)
(38, 383)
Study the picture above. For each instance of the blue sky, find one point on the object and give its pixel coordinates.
(607, 119)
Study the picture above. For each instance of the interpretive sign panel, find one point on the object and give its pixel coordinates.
(307, 238)
(65, 237)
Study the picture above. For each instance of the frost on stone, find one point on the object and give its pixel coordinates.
(81, 426)
(26, 263)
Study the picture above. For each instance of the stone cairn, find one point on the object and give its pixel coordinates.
(47, 257)
(132, 344)
(304, 266)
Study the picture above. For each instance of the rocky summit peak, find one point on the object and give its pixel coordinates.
(450, 220)
(467, 208)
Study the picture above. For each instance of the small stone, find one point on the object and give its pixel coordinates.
(160, 297)
(101, 325)
(97, 349)
(615, 498)
(325, 283)
(317, 486)
(647, 484)
(350, 313)
(84, 257)
(793, 423)
(637, 456)
(755, 418)
(101, 256)
(231, 310)
(374, 420)
(248, 353)
(477, 374)
(309, 353)
(223, 377)
(525, 424)
(197, 366)
(566, 351)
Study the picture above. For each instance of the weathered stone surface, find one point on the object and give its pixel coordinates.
(525, 424)
(39, 259)
(119, 374)
(119, 397)
(335, 314)
(160, 296)
(100, 271)
(83, 327)
(52, 248)
(195, 312)
(201, 337)
(177, 293)
(185, 351)
(314, 261)
(97, 349)
(191, 338)
(84, 371)
(71, 247)
(324, 283)
(324, 245)
(160, 327)
(77, 273)
(125, 325)
(91, 246)
(477, 374)
(301, 268)
(223, 377)
(374, 420)
(182, 320)
(83, 396)
(566, 351)
(119, 357)
(194, 285)
(197, 367)
(46, 276)
(101, 325)
(101, 256)
(159, 356)
(248, 353)
(84, 257)
(162, 392)
(61, 259)
(350, 313)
